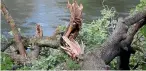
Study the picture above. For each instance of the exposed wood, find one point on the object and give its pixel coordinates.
(14, 29)
(35, 47)
(75, 20)
(118, 44)
(39, 32)
(71, 46)
(74, 49)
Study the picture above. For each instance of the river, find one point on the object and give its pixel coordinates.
(51, 13)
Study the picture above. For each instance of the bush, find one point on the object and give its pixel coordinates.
(6, 62)
(96, 32)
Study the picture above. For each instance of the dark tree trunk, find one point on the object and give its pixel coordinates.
(124, 60)
(118, 44)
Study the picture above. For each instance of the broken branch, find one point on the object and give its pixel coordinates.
(12, 24)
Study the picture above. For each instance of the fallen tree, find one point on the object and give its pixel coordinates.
(118, 44)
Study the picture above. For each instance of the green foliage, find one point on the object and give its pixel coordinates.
(6, 62)
(141, 5)
(62, 28)
(143, 31)
(97, 31)
(92, 34)
(113, 64)
(45, 63)
(56, 58)
(72, 65)
(24, 68)
(69, 63)
(3, 38)
(139, 43)
(138, 59)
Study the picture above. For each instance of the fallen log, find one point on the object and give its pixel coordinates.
(118, 44)
(115, 44)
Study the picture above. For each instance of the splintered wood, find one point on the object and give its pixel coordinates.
(39, 32)
(69, 44)
(75, 19)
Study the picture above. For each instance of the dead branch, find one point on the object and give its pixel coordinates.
(75, 20)
(12, 24)
(36, 49)
(118, 44)
(39, 32)
(36, 43)
(69, 43)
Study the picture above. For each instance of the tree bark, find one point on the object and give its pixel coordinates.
(128, 50)
(124, 60)
(12, 24)
(118, 44)
(120, 39)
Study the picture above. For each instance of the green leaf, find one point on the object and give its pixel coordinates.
(143, 30)
(6, 62)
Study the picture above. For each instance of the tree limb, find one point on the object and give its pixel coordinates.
(112, 46)
(14, 29)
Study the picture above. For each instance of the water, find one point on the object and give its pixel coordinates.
(51, 13)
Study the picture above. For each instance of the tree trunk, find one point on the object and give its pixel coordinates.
(12, 24)
(119, 43)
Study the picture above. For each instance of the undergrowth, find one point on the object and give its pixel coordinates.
(95, 33)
